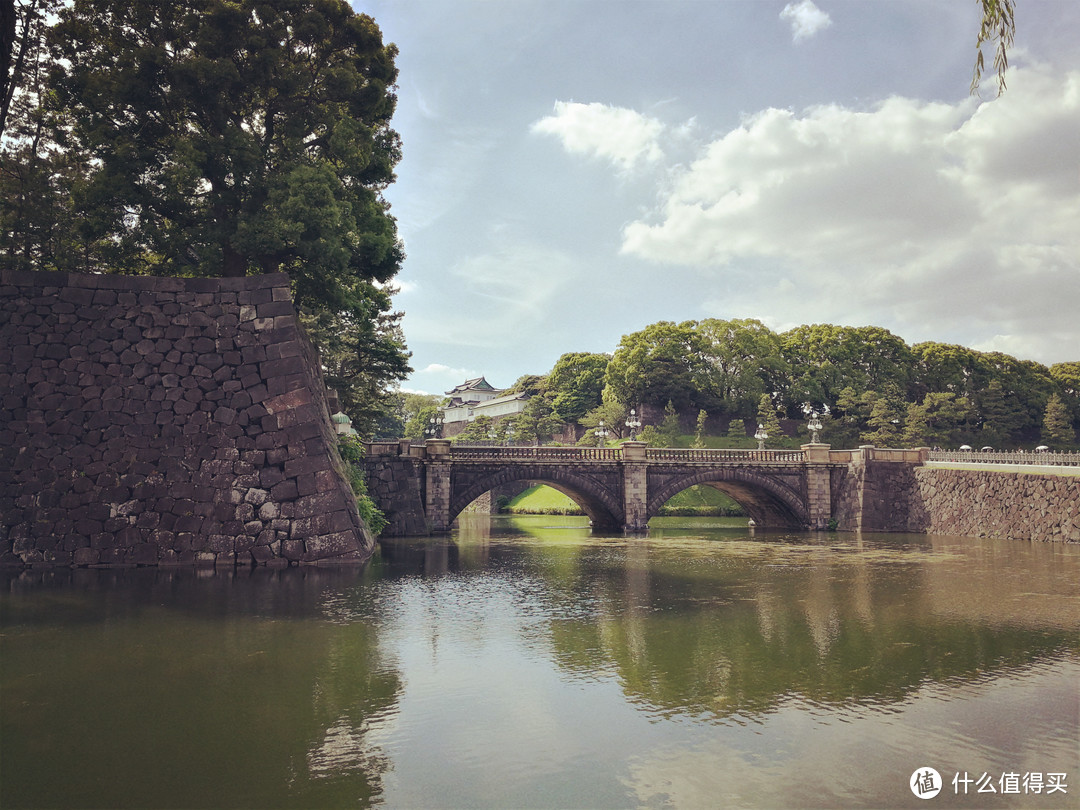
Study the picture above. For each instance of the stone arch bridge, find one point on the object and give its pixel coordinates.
(423, 488)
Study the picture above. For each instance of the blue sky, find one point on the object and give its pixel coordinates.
(574, 171)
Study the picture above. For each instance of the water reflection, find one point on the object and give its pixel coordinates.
(710, 622)
(154, 688)
(528, 662)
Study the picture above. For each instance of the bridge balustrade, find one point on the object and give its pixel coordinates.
(669, 454)
(534, 452)
(682, 455)
(1005, 457)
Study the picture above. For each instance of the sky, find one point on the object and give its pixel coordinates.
(576, 170)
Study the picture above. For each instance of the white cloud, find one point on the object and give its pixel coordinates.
(805, 19)
(913, 213)
(622, 136)
(447, 371)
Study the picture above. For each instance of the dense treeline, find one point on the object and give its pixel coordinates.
(212, 138)
(869, 385)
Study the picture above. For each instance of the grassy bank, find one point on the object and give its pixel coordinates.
(697, 500)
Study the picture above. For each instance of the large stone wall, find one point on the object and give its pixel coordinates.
(902, 497)
(1012, 505)
(165, 421)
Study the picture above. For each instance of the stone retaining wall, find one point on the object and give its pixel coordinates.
(165, 421)
(397, 485)
(901, 497)
(992, 503)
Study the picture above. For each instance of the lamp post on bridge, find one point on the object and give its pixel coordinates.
(434, 426)
(761, 435)
(633, 423)
(601, 434)
(814, 426)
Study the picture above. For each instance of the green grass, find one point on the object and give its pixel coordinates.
(696, 500)
(542, 500)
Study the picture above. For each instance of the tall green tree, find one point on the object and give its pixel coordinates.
(656, 365)
(740, 360)
(22, 52)
(229, 137)
(700, 431)
(575, 384)
(824, 359)
(536, 423)
(767, 418)
(232, 137)
(947, 368)
(611, 411)
(885, 423)
(417, 411)
(39, 229)
(481, 429)
(940, 419)
(1067, 377)
(1057, 427)
(1002, 415)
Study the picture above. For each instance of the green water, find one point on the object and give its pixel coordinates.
(523, 662)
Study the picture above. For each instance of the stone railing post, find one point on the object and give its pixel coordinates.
(635, 487)
(818, 485)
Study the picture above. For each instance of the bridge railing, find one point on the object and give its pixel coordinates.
(632, 453)
(1005, 457)
(541, 452)
(682, 455)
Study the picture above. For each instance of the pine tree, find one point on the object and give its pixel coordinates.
(884, 423)
(917, 425)
(669, 428)
(699, 435)
(1056, 425)
(767, 417)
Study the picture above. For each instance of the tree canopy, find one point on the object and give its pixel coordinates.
(575, 384)
(236, 137)
(213, 138)
(867, 384)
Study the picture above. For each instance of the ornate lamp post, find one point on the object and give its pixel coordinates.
(814, 425)
(633, 423)
(761, 435)
(601, 434)
(434, 426)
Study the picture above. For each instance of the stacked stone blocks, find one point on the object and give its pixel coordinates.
(996, 503)
(163, 420)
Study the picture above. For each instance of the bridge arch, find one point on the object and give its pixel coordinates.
(603, 507)
(769, 501)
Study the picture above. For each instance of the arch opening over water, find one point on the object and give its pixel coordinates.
(603, 509)
(767, 501)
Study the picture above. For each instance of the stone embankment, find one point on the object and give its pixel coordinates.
(995, 503)
(165, 421)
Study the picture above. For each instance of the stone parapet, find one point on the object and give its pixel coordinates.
(165, 421)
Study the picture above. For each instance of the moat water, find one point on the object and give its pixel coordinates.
(524, 662)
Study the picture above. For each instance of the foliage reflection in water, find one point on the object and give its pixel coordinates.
(525, 662)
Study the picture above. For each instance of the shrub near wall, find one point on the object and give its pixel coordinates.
(164, 420)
